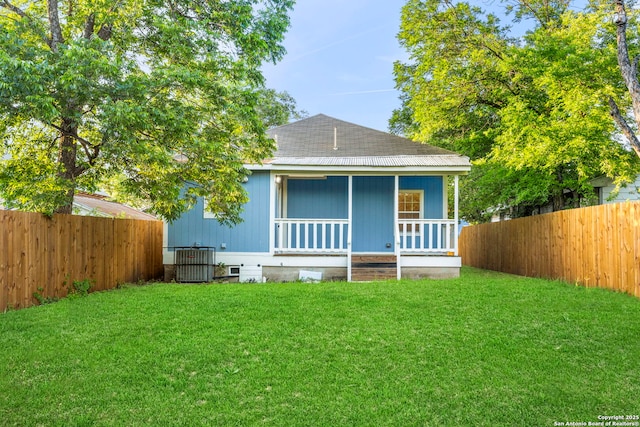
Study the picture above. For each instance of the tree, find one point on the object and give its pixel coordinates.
(629, 73)
(532, 112)
(278, 108)
(162, 92)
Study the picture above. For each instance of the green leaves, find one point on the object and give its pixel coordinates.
(532, 111)
(29, 179)
(133, 85)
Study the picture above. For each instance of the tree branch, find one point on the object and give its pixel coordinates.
(624, 126)
(91, 151)
(629, 73)
(624, 63)
(14, 9)
(105, 31)
(489, 103)
(528, 6)
(465, 33)
(54, 23)
(24, 15)
(89, 26)
(81, 140)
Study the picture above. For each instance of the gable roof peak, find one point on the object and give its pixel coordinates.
(324, 136)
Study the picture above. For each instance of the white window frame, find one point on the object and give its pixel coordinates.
(421, 193)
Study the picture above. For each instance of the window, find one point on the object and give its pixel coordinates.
(409, 207)
(206, 214)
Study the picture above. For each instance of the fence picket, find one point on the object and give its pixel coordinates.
(45, 255)
(594, 246)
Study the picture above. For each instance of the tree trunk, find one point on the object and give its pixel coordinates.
(54, 24)
(67, 164)
(629, 72)
(558, 202)
(67, 208)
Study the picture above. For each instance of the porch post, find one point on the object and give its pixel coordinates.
(455, 214)
(273, 196)
(445, 196)
(396, 226)
(349, 226)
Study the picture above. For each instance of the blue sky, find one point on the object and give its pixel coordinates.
(340, 56)
(339, 60)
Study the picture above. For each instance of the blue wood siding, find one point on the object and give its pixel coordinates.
(373, 208)
(318, 198)
(251, 235)
(373, 212)
(433, 193)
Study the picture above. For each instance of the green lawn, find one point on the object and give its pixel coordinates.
(484, 349)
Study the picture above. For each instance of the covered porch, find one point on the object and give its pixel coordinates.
(385, 223)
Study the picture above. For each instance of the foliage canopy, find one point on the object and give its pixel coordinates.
(532, 112)
(92, 90)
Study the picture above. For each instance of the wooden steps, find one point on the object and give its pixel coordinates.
(373, 267)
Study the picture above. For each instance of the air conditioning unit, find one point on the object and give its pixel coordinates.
(194, 265)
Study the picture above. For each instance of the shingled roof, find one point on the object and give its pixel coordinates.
(97, 205)
(325, 141)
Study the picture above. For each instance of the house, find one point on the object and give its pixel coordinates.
(337, 201)
(605, 188)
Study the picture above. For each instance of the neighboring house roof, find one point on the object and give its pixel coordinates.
(98, 205)
(324, 141)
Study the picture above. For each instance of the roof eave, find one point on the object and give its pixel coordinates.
(451, 170)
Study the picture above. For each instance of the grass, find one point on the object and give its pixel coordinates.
(484, 349)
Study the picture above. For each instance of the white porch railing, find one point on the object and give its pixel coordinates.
(427, 235)
(316, 236)
(311, 235)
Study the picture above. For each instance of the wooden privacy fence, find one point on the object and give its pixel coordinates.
(594, 246)
(45, 255)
